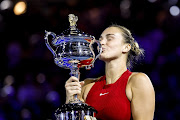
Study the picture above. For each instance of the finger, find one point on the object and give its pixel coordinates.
(72, 79)
(73, 88)
(71, 84)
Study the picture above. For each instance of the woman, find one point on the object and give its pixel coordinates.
(120, 94)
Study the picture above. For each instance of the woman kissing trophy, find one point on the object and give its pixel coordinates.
(74, 50)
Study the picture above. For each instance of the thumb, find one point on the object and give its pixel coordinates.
(82, 83)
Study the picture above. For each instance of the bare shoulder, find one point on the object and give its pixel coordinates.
(143, 96)
(140, 80)
(88, 83)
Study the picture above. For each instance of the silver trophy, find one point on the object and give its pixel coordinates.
(74, 50)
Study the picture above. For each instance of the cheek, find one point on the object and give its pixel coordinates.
(116, 47)
(116, 51)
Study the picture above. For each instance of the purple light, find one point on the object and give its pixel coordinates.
(7, 91)
(178, 51)
(52, 96)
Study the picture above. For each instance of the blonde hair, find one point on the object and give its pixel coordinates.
(135, 53)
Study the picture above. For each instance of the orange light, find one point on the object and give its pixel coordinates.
(20, 8)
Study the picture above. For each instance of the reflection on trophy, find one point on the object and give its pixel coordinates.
(74, 50)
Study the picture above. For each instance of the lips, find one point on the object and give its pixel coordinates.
(103, 49)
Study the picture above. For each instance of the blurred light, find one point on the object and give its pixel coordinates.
(20, 8)
(26, 114)
(41, 78)
(172, 2)
(52, 96)
(6, 4)
(174, 10)
(9, 80)
(7, 91)
(34, 39)
(152, 1)
(125, 4)
(178, 51)
(124, 7)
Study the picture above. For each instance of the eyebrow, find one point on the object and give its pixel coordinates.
(107, 35)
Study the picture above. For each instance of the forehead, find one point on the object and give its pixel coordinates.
(112, 30)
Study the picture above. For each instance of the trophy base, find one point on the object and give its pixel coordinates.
(74, 111)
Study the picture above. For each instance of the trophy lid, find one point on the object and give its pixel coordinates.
(72, 30)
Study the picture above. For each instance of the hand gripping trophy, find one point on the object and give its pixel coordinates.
(74, 50)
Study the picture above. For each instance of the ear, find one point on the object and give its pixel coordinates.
(126, 48)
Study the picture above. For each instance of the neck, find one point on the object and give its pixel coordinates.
(114, 69)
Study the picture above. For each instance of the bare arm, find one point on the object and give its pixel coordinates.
(143, 97)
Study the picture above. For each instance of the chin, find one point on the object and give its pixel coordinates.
(107, 58)
(104, 58)
(101, 57)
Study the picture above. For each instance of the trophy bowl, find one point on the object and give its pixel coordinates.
(73, 50)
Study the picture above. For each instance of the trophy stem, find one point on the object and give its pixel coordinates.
(75, 72)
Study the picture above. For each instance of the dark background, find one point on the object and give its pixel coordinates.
(32, 86)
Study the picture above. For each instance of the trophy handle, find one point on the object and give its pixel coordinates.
(47, 42)
(99, 47)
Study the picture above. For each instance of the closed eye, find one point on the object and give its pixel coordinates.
(110, 38)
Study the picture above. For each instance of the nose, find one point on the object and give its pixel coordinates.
(102, 41)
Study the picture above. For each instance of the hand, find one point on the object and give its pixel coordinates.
(73, 86)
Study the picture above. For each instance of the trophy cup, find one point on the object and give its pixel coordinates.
(74, 50)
